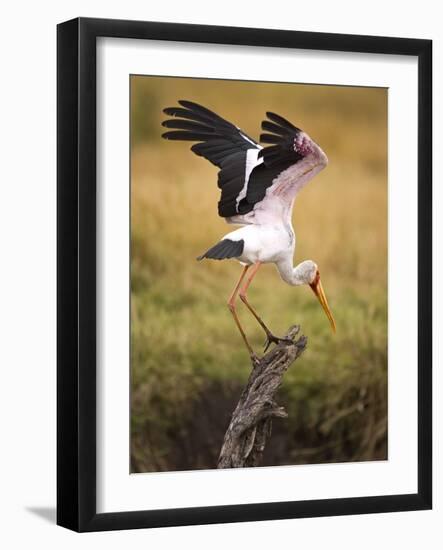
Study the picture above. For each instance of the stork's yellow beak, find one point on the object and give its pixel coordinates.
(317, 288)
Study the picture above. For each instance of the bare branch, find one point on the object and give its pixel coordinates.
(251, 421)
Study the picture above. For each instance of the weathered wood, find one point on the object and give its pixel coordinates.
(251, 421)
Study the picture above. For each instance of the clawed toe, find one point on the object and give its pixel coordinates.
(271, 339)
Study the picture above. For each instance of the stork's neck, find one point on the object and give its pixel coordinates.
(295, 276)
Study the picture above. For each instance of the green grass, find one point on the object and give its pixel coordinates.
(188, 363)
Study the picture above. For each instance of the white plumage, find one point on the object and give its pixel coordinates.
(258, 188)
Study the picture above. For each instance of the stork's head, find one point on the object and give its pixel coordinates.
(310, 275)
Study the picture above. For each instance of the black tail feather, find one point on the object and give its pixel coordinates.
(224, 249)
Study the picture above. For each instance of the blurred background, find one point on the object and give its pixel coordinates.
(188, 363)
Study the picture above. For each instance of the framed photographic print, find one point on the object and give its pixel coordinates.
(244, 274)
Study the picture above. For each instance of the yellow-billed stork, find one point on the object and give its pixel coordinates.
(258, 187)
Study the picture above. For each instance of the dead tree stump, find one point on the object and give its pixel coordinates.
(251, 421)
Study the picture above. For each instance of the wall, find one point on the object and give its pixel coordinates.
(27, 290)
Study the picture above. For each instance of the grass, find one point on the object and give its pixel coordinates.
(185, 346)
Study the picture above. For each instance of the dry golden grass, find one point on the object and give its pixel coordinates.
(183, 339)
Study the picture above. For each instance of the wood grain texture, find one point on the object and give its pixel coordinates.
(251, 421)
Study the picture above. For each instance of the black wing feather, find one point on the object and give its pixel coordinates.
(185, 135)
(272, 138)
(219, 141)
(225, 146)
(187, 125)
(282, 122)
(204, 112)
(281, 153)
(274, 128)
(185, 113)
(278, 156)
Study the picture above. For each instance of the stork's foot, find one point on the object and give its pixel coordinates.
(271, 339)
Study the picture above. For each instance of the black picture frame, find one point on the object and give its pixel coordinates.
(76, 273)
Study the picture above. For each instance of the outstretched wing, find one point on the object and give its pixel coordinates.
(250, 176)
(290, 159)
(220, 142)
(274, 158)
(281, 136)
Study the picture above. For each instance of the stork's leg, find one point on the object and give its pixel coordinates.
(231, 305)
(269, 336)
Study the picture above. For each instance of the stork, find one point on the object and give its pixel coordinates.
(258, 187)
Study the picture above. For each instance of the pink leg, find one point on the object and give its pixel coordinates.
(231, 305)
(269, 336)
